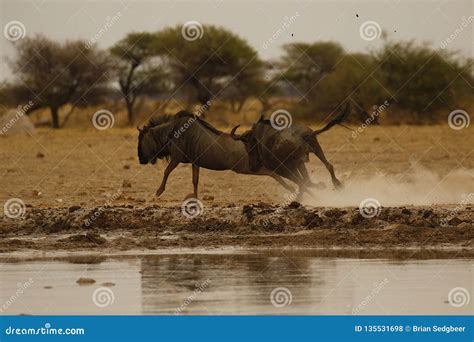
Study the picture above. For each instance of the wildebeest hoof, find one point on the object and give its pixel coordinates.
(159, 192)
(338, 185)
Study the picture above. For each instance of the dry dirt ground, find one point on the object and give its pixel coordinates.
(84, 190)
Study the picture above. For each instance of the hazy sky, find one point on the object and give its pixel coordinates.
(256, 21)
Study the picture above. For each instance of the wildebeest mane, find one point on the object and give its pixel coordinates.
(159, 120)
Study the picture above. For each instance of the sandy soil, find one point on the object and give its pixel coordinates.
(66, 177)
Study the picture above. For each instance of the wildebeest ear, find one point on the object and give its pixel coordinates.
(262, 118)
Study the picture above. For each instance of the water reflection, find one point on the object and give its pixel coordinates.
(237, 284)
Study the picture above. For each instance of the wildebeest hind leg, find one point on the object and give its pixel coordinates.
(171, 166)
(318, 151)
(304, 173)
(195, 180)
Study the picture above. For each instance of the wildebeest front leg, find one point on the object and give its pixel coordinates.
(282, 182)
(295, 177)
(171, 166)
(195, 180)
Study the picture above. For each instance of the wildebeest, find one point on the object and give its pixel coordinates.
(185, 138)
(285, 151)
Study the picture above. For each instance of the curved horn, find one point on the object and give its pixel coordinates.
(233, 135)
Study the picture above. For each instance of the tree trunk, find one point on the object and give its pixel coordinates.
(54, 117)
(130, 112)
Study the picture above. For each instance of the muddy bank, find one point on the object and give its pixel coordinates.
(121, 228)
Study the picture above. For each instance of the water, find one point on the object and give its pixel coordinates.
(234, 284)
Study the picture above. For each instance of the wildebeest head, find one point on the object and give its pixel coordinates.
(250, 138)
(153, 143)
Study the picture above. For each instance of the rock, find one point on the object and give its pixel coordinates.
(74, 208)
(454, 221)
(208, 198)
(294, 205)
(37, 193)
(85, 281)
(59, 200)
(247, 210)
(39, 155)
(126, 184)
(126, 167)
(427, 213)
(107, 284)
(406, 211)
(313, 220)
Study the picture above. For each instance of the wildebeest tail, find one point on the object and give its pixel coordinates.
(336, 121)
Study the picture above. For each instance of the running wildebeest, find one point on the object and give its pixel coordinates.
(285, 151)
(185, 138)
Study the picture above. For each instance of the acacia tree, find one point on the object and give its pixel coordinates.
(207, 66)
(424, 80)
(52, 74)
(138, 70)
(305, 64)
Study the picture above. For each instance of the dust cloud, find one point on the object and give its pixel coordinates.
(419, 186)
